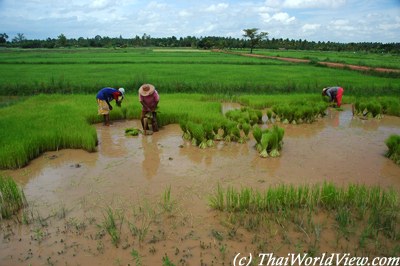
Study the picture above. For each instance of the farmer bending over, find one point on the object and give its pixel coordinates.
(149, 98)
(104, 97)
(335, 94)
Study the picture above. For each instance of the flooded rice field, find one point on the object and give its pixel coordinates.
(157, 189)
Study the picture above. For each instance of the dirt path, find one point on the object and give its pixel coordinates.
(328, 64)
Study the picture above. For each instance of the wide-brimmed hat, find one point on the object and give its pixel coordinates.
(324, 90)
(146, 89)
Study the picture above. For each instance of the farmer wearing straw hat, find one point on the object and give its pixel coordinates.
(335, 94)
(149, 98)
(104, 97)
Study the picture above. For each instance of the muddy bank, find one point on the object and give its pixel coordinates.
(70, 191)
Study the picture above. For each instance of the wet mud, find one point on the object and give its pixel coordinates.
(70, 191)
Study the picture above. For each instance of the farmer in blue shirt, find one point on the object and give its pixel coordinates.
(104, 97)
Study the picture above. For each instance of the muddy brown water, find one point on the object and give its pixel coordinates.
(69, 190)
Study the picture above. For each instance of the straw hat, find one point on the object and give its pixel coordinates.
(324, 90)
(146, 89)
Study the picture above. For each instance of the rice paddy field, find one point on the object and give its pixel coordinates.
(249, 159)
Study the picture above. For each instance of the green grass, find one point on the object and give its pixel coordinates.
(87, 70)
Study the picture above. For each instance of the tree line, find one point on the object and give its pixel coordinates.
(207, 42)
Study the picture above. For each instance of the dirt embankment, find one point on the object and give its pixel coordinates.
(328, 64)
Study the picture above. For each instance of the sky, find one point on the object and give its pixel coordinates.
(313, 20)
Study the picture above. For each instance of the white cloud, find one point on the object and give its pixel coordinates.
(184, 13)
(310, 27)
(313, 3)
(280, 17)
(217, 8)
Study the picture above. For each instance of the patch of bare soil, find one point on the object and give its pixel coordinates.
(141, 200)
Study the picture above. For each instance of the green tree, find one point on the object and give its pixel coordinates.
(3, 37)
(62, 40)
(254, 37)
(19, 38)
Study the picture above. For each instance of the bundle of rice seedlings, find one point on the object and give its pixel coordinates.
(253, 119)
(216, 129)
(375, 109)
(246, 130)
(233, 133)
(209, 133)
(234, 114)
(183, 125)
(257, 134)
(132, 131)
(276, 141)
(199, 136)
(393, 144)
(265, 140)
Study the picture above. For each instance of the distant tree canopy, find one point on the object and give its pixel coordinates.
(255, 37)
(251, 40)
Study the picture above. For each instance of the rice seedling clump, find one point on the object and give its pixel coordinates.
(132, 131)
(377, 107)
(393, 144)
(12, 198)
(269, 141)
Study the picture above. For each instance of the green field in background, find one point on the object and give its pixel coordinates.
(26, 72)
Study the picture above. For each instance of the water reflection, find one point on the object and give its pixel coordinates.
(151, 156)
(111, 141)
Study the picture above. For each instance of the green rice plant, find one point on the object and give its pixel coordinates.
(167, 202)
(231, 131)
(374, 108)
(12, 198)
(209, 133)
(257, 134)
(136, 257)
(166, 261)
(184, 127)
(216, 128)
(393, 144)
(246, 130)
(344, 219)
(198, 134)
(110, 225)
(265, 142)
(132, 131)
(276, 140)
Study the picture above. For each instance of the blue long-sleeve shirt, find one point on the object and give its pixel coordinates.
(108, 94)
